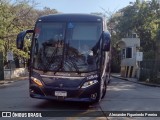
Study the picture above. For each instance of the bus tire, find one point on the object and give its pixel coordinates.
(104, 89)
(109, 79)
(98, 98)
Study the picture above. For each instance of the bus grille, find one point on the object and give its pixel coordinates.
(62, 82)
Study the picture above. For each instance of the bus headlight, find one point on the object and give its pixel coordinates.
(89, 83)
(38, 82)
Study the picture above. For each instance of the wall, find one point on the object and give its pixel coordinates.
(129, 65)
(14, 73)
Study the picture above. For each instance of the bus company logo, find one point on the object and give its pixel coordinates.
(6, 114)
(60, 85)
(92, 77)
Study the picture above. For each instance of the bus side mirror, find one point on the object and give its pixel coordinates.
(106, 41)
(20, 38)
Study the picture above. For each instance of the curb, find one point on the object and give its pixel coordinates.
(2, 82)
(142, 83)
(5, 82)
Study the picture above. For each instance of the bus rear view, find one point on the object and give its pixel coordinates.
(69, 57)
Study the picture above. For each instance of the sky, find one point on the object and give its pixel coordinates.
(84, 6)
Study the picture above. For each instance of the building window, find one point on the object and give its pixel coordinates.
(128, 52)
(123, 53)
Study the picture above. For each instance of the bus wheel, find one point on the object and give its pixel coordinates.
(99, 93)
(104, 89)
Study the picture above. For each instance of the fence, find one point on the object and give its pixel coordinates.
(150, 71)
(15, 73)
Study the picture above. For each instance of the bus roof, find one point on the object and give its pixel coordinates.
(70, 17)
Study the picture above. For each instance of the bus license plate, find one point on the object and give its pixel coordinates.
(61, 93)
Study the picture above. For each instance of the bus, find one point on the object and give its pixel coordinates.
(69, 57)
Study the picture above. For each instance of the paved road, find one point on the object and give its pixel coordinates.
(121, 96)
(127, 96)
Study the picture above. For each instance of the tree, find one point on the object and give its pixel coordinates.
(16, 17)
(140, 18)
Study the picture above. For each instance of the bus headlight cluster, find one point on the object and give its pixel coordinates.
(38, 82)
(89, 83)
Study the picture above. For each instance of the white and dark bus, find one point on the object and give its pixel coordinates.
(69, 57)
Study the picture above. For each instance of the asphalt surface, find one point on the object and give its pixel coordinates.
(135, 80)
(121, 96)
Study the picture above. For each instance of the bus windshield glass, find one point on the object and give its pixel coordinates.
(66, 47)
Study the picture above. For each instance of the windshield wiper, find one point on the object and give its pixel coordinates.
(70, 62)
(73, 64)
(70, 59)
(49, 60)
(60, 67)
(53, 59)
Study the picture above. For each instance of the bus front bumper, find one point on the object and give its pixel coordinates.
(88, 94)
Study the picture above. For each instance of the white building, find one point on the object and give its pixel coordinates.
(129, 49)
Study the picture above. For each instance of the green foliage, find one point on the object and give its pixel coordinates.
(17, 16)
(141, 18)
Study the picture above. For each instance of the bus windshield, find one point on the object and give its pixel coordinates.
(66, 47)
